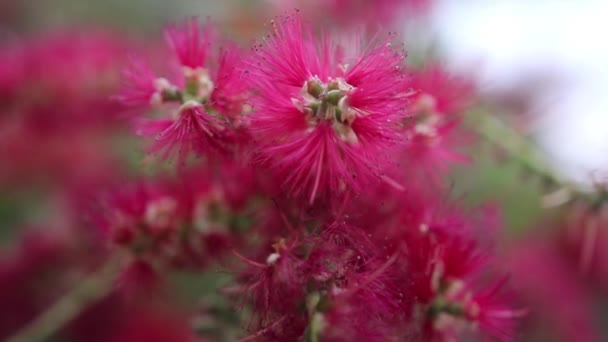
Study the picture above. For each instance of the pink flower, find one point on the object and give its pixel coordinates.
(230, 90)
(203, 104)
(140, 209)
(432, 130)
(438, 90)
(274, 288)
(349, 270)
(454, 289)
(491, 307)
(191, 43)
(324, 119)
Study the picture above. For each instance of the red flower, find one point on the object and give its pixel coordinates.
(209, 96)
(432, 130)
(324, 119)
(276, 286)
(191, 43)
(446, 271)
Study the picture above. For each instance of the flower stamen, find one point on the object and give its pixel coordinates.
(328, 102)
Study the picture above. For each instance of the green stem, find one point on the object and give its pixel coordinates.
(500, 134)
(87, 292)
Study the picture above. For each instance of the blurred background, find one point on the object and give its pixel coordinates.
(539, 68)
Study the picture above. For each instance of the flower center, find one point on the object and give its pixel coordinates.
(453, 307)
(199, 85)
(161, 212)
(427, 119)
(164, 91)
(328, 102)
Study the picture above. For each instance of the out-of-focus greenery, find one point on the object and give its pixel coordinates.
(135, 15)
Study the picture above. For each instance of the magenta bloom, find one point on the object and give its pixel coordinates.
(191, 43)
(323, 118)
(202, 101)
(449, 280)
(433, 138)
(448, 95)
(229, 90)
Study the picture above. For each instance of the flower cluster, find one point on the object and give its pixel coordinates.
(338, 130)
(177, 224)
(303, 171)
(416, 271)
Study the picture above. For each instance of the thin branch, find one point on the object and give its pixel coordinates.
(89, 291)
(500, 134)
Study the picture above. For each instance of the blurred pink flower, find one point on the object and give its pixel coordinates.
(202, 102)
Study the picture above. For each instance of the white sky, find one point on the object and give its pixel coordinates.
(514, 38)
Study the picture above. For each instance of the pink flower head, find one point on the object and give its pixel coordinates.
(491, 308)
(275, 287)
(446, 272)
(187, 223)
(438, 90)
(323, 118)
(140, 209)
(229, 88)
(191, 43)
(203, 105)
(436, 110)
(348, 269)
